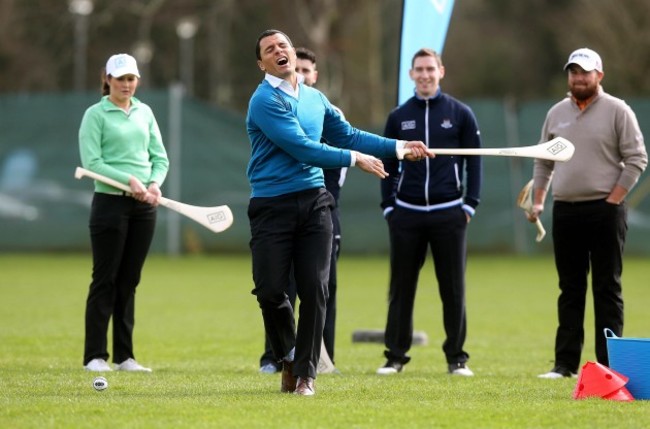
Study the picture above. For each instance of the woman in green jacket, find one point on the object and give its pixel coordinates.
(119, 138)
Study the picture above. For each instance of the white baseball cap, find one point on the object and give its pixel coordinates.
(121, 64)
(586, 58)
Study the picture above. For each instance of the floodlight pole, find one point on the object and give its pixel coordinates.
(174, 177)
(186, 29)
(81, 9)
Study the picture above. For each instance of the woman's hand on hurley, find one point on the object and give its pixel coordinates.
(141, 193)
(155, 194)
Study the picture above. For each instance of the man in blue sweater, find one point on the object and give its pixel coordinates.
(290, 209)
(334, 179)
(428, 205)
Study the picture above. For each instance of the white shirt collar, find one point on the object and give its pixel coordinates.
(284, 85)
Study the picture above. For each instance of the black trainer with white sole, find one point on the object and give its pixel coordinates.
(558, 372)
(391, 367)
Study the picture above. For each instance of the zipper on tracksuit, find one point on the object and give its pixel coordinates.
(426, 142)
(426, 136)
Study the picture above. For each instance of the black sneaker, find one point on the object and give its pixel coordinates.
(558, 372)
(459, 368)
(391, 367)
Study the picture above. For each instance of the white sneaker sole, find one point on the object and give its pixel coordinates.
(143, 369)
(463, 372)
(386, 371)
(106, 369)
(554, 376)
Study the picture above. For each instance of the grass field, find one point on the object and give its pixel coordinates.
(200, 329)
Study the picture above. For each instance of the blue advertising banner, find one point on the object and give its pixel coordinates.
(424, 25)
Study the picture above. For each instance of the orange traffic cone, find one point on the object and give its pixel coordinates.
(597, 380)
(621, 394)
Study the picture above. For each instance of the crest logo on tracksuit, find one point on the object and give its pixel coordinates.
(408, 125)
(446, 124)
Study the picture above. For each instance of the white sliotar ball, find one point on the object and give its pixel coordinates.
(100, 383)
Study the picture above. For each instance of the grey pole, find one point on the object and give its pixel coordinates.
(186, 29)
(80, 9)
(173, 181)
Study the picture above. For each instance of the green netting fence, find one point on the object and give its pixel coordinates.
(43, 208)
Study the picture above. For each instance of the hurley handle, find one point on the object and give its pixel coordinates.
(81, 172)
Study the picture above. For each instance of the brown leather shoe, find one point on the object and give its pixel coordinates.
(288, 380)
(305, 386)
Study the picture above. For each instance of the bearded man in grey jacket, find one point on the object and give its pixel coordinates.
(589, 210)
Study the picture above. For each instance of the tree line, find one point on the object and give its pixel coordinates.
(494, 48)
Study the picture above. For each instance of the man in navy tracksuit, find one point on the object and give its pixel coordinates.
(428, 204)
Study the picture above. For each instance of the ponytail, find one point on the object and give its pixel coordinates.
(105, 88)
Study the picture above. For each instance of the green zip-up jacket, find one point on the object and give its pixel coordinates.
(120, 145)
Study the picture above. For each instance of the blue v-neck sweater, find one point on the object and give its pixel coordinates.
(285, 135)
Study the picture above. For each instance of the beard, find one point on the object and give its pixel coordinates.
(582, 92)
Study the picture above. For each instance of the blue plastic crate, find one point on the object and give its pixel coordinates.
(631, 357)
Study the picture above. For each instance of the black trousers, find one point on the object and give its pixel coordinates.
(292, 230)
(268, 357)
(121, 231)
(411, 234)
(588, 235)
(329, 331)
